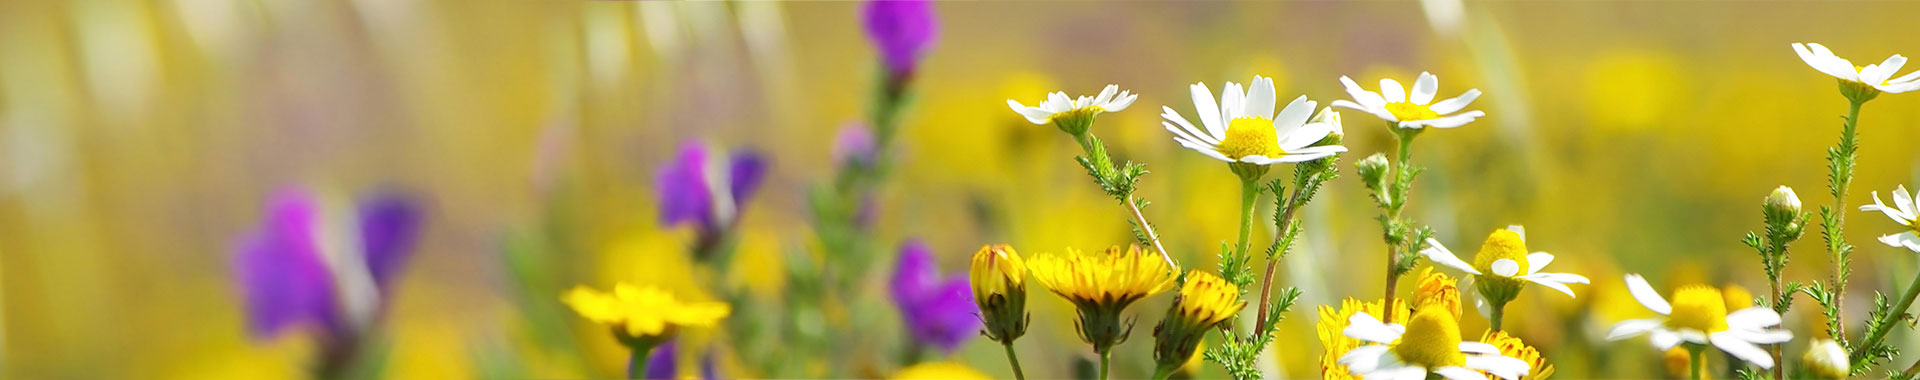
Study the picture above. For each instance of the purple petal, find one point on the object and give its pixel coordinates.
(902, 30)
(682, 183)
(389, 224)
(947, 317)
(281, 272)
(853, 145)
(748, 168)
(661, 363)
(914, 275)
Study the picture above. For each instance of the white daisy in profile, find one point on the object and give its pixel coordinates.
(1503, 260)
(1428, 344)
(1906, 214)
(1411, 110)
(1242, 126)
(1075, 113)
(1698, 316)
(1875, 76)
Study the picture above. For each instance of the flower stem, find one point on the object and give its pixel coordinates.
(1698, 364)
(1249, 191)
(1881, 326)
(1911, 370)
(637, 362)
(1499, 314)
(1841, 179)
(1266, 281)
(1163, 372)
(1151, 237)
(1014, 360)
(1105, 357)
(1398, 193)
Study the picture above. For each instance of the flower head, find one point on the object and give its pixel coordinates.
(1204, 302)
(938, 311)
(1075, 116)
(1428, 344)
(1411, 110)
(1859, 84)
(1502, 264)
(1101, 286)
(854, 145)
(1333, 341)
(939, 371)
(303, 266)
(1243, 128)
(999, 280)
(902, 30)
(1435, 288)
(1512, 347)
(1826, 359)
(1904, 213)
(1698, 315)
(642, 316)
(700, 189)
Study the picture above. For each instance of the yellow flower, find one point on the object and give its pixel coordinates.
(1512, 347)
(1102, 286)
(1680, 363)
(1737, 297)
(1204, 302)
(1334, 343)
(1437, 288)
(939, 371)
(642, 314)
(999, 280)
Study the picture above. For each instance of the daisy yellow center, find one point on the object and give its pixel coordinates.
(1409, 111)
(1503, 244)
(1699, 308)
(1250, 136)
(1432, 340)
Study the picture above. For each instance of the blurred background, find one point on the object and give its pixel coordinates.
(141, 141)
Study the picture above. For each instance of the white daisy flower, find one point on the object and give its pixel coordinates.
(1242, 127)
(1698, 315)
(1906, 214)
(1075, 114)
(1876, 76)
(1411, 110)
(1503, 257)
(1429, 343)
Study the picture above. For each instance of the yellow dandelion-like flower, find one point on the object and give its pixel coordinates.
(1437, 288)
(1335, 343)
(1101, 286)
(643, 314)
(999, 279)
(1513, 347)
(940, 371)
(1204, 302)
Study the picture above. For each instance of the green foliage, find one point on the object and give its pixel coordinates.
(1825, 297)
(1118, 183)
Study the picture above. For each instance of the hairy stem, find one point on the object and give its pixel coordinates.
(1841, 179)
(1266, 280)
(1249, 191)
(1404, 152)
(1148, 229)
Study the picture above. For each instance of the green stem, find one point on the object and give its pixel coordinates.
(1163, 372)
(1105, 357)
(1842, 179)
(1697, 364)
(1015, 361)
(1249, 191)
(1499, 314)
(1881, 326)
(637, 363)
(1398, 192)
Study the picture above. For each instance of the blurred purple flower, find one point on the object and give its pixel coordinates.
(853, 145)
(283, 271)
(902, 30)
(937, 311)
(687, 183)
(661, 363)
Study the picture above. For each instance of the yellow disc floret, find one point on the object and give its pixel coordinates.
(1432, 340)
(1698, 307)
(1410, 112)
(1249, 136)
(1502, 244)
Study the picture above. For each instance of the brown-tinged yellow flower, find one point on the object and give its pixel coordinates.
(1513, 347)
(999, 279)
(1204, 302)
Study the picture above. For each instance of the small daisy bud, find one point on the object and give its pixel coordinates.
(1826, 359)
(1330, 117)
(1782, 206)
(1373, 171)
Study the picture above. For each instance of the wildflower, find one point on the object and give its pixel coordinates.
(642, 317)
(1679, 363)
(663, 363)
(999, 280)
(1373, 171)
(1333, 341)
(1411, 111)
(697, 188)
(1513, 347)
(1826, 359)
(1074, 116)
(1698, 316)
(854, 145)
(1859, 84)
(1906, 214)
(1782, 206)
(303, 266)
(1101, 287)
(1435, 288)
(1501, 265)
(902, 30)
(1204, 301)
(938, 311)
(939, 371)
(1243, 128)
(1428, 344)
(1330, 118)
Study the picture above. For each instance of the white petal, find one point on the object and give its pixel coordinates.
(1884, 70)
(1365, 98)
(1905, 78)
(1343, 103)
(1304, 136)
(1260, 98)
(1691, 336)
(1366, 358)
(1459, 373)
(1537, 261)
(1555, 285)
(1033, 115)
(1440, 255)
(1424, 88)
(1663, 339)
(1903, 240)
(1899, 88)
(1634, 327)
(1290, 158)
(1897, 215)
(1456, 103)
(1756, 317)
(1106, 95)
(1504, 367)
(1121, 103)
(1904, 201)
(1742, 349)
(1391, 90)
(1644, 293)
(1057, 102)
(1232, 99)
(1445, 122)
(1397, 373)
(1564, 278)
(1762, 336)
(1208, 110)
(1203, 149)
(1204, 136)
(1364, 327)
(1505, 267)
(1295, 114)
(1518, 230)
(1825, 61)
(1178, 133)
(1479, 348)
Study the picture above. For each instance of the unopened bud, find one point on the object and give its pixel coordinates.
(1373, 171)
(1782, 206)
(1331, 118)
(1826, 360)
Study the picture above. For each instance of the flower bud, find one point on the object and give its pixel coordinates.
(1373, 171)
(1782, 207)
(1826, 360)
(1204, 302)
(1332, 118)
(999, 280)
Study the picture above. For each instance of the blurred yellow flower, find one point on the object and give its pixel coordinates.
(1737, 297)
(1102, 286)
(1679, 363)
(1698, 316)
(1334, 343)
(1513, 347)
(642, 312)
(940, 371)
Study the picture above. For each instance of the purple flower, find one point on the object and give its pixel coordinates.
(853, 145)
(688, 185)
(661, 363)
(902, 30)
(937, 311)
(283, 265)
